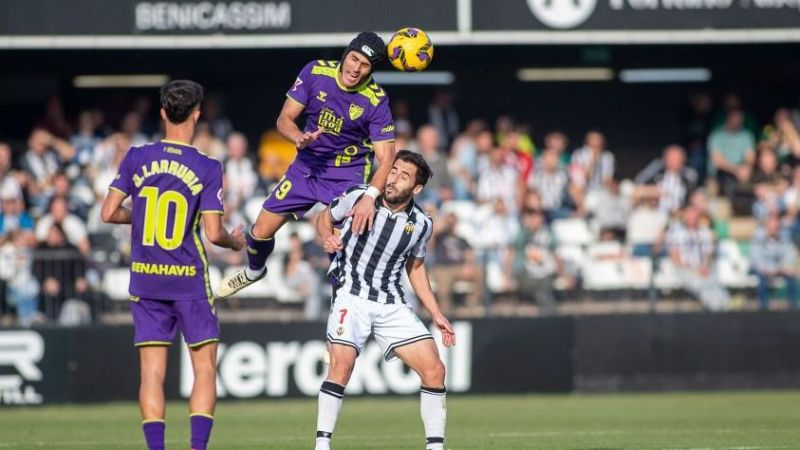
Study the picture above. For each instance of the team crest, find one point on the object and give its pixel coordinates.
(340, 331)
(409, 227)
(355, 111)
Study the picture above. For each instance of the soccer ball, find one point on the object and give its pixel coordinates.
(410, 50)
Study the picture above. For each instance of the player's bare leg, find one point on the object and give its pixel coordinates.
(331, 394)
(204, 393)
(260, 244)
(153, 369)
(423, 358)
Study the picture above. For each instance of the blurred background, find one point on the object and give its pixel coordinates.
(608, 174)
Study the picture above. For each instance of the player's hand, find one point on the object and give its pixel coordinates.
(238, 238)
(333, 244)
(448, 335)
(308, 137)
(363, 214)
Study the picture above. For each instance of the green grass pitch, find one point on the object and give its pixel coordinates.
(674, 421)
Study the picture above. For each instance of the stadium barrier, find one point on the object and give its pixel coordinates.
(562, 354)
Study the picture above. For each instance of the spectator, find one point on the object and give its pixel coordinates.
(132, 126)
(773, 255)
(499, 180)
(782, 135)
(8, 177)
(645, 228)
(302, 278)
(402, 122)
(592, 166)
(464, 155)
(691, 249)
(500, 232)
(439, 188)
(551, 182)
(769, 185)
(14, 218)
(41, 162)
(220, 126)
(668, 179)
(70, 225)
(207, 142)
(86, 139)
(60, 269)
(444, 118)
(15, 270)
(240, 176)
(697, 126)
(732, 154)
(453, 260)
(535, 264)
(610, 210)
(557, 142)
(733, 102)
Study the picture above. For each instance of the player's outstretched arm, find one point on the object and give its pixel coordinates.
(287, 124)
(219, 236)
(113, 211)
(364, 211)
(418, 276)
(324, 224)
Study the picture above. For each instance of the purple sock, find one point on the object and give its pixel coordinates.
(201, 430)
(258, 250)
(154, 434)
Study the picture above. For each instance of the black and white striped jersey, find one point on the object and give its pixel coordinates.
(370, 265)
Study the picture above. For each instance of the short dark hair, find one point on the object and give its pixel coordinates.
(179, 98)
(424, 172)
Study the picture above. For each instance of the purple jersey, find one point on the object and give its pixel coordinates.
(352, 118)
(171, 185)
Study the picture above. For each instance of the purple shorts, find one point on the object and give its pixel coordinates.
(157, 321)
(299, 190)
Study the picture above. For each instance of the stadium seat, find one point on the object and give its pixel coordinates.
(572, 232)
(253, 207)
(733, 268)
(115, 284)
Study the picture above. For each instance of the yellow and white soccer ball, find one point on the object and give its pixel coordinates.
(410, 50)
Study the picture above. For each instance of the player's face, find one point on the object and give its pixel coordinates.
(355, 68)
(401, 184)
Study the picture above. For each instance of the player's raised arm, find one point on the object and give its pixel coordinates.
(418, 276)
(287, 124)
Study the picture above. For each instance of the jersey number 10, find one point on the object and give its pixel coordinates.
(156, 213)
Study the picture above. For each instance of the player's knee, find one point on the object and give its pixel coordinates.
(340, 370)
(433, 375)
(153, 375)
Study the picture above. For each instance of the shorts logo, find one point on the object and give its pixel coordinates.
(321, 96)
(340, 331)
(409, 227)
(355, 111)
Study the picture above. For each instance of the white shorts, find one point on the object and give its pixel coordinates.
(352, 319)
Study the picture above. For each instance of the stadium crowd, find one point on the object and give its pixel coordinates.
(522, 221)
